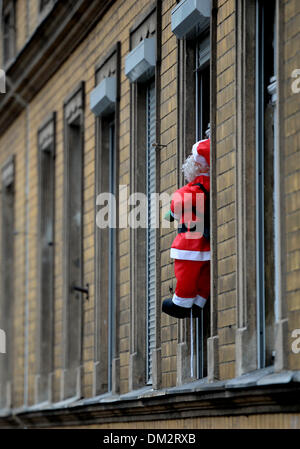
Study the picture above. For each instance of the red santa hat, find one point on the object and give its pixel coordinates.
(201, 152)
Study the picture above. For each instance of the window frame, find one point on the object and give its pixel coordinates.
(246, 194)
(71, 377)
(266, 149)
(7, 302)
(201, 339)
(46, 146)
(188, 120)
(147, 21)
(108, 65)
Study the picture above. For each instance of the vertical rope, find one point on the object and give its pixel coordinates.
(192, 346)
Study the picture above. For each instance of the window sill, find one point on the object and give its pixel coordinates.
(261, 391)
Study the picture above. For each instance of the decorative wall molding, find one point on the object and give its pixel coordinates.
(8, 172)
(46, 134)
(246, 345)
(74, 104)
(145, 26)
(109, 65)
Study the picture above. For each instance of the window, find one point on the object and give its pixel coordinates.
(73, 258)
(266, 181)
(257, 202)
(202, 87)
(144, 340)
(144, 240)
(9, 32)
(194, 120)
(106, 368)
(7, 279)
(106, 259)
(202, 126)
(46, 161)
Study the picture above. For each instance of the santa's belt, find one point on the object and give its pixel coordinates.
(181, 229)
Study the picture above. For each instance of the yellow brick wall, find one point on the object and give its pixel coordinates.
(225, 156)
(80, 66)
(12, 143)
(291, 131)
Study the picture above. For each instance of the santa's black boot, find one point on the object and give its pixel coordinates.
(172, 309)
(196, 311)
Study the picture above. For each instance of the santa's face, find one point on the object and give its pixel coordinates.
(192, 169)
(202, 168)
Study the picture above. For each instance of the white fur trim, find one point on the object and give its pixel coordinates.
(194, 149)
(200, 301)
(198, 158)
(183, 302)
(188, 302)
(183, 254)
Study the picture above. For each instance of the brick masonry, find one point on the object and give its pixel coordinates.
(80, 65)
(291, 133)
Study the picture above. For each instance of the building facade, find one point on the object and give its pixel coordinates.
(103, 101)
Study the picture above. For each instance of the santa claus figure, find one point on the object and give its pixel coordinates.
(191, 246)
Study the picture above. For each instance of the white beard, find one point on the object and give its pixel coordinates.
(191, 169)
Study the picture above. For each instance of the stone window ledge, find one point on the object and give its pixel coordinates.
(261, 391)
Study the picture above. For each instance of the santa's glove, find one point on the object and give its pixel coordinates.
(168, 216)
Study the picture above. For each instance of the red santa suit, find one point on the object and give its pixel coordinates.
(190, 248)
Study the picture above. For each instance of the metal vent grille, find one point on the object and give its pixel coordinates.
(151, 231)
(111, 260)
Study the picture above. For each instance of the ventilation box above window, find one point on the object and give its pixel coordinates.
(190, 17)
(103, 97)
(140, 62)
